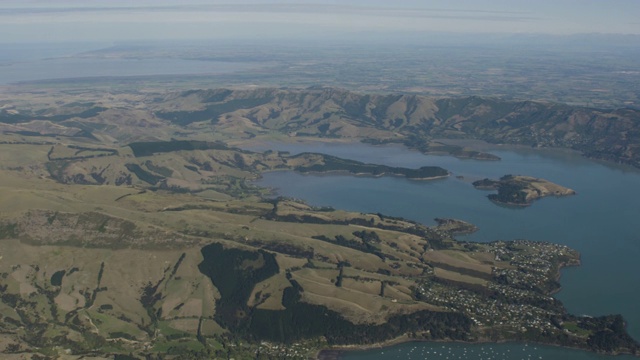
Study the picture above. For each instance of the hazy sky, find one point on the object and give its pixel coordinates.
(44, 21)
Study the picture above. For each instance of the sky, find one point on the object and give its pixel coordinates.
(116, 20)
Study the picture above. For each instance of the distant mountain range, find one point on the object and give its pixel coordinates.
(608, 134)
(612, 135)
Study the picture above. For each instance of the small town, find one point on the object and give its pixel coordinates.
(518, 299)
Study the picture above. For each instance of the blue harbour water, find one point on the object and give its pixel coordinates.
(601, 221)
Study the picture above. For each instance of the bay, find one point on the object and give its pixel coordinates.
(600, 221)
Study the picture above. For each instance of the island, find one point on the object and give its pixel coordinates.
(519, 190)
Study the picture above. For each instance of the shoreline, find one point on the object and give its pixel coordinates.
(336, 353)
(561, 266)
(483, 145)
(472, 143)
(348, 173)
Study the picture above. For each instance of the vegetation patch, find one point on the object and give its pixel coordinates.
(211, 112)
(231, 272)
(301, 320)
(56, 278)
(154, 147)
(143, 174)
(235, 280)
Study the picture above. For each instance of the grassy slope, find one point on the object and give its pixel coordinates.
(117, 309)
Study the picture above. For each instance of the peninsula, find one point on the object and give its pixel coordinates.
(329, 164)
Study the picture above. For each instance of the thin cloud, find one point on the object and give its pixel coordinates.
(162, 19)
(13, 14)
(236, 7)
(306, 8)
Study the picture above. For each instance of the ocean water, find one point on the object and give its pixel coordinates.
(14, 71)
(601, 221)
